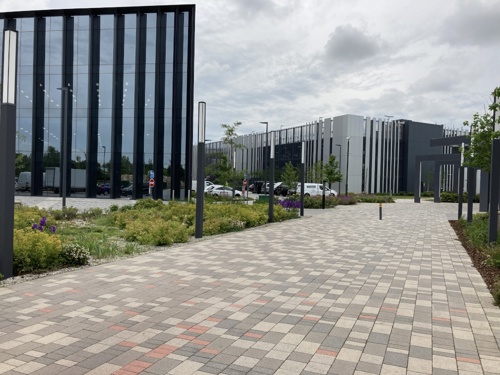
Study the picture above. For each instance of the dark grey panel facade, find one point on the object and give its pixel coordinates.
(416, 141)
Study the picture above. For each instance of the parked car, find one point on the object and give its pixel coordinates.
(128, 190)
(209, 188)
(103, 189)
(226, 191)
(265, 188)
(281, 189)
(194, 185)
(312, 189)
(257, 187)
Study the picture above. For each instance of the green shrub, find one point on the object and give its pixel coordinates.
(317, 201)
(156, 232)
(495, 292)
(282, 214)
(91, 213)
(427, 194)
(25, 217)
(68, 213)
(113, 208)
(74, 255)
(370, 198)
(450, 197)
(493, 257)
(219, 225)
(347, 200)
(35, 251)
(148, 203)
(476, 231)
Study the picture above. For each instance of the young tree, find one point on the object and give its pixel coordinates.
(290, 176)
(331, 171)
(315, 173)
(229, 138)
(478, 154)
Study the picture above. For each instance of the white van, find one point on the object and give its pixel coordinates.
(315, 189)
(24, 181)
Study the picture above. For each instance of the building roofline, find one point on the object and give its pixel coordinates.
(95, 11)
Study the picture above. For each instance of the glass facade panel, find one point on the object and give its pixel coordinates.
(79, 94)
(44, 32)
(24, 94)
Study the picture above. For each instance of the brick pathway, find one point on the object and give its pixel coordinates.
(336, 292)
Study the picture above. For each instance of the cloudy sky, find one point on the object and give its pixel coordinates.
(289, 62)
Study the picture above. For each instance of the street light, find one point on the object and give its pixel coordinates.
(263, 156)
(340, 161)
(271, 177)
(347, 168)
(200, 187)
(104, 164)
(8, 152)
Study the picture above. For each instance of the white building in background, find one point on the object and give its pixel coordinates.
(381, 156)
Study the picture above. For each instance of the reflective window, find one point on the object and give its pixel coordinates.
(52, 98)
(79, 95)
(105, 95)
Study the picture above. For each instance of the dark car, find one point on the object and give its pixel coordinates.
(103, 189)
(126, 191)
(257, 187)
(281, 190)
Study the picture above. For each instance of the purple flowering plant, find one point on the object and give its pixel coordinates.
(41, 226)
(289, 203)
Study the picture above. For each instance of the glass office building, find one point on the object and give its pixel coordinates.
(128, 76)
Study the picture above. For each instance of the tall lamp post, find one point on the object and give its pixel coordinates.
(347, 168)
(340, 161)
(8, 152)
(104, 164)
(264, 157)
(200, 182)
(271, 178)
(302, 176)
(494, 179)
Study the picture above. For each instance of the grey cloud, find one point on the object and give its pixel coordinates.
(473, 23)
(349, 44)
(439, 80)
(254, 8)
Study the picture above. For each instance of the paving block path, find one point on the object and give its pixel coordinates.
(336, 292)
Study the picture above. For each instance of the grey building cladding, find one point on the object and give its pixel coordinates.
(381, 155)
(130, 77)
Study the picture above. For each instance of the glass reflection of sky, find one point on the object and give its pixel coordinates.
(79, 90)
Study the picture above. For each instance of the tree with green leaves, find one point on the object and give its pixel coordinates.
(229, 138)
(482, 133)
(331, 171)
(52, 158)
(290, 176)
(223, 172)
(315, 173)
